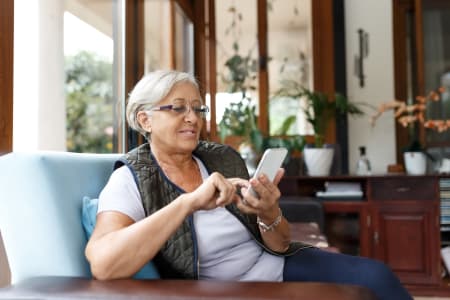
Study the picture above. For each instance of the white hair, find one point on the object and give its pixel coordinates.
(150, 90)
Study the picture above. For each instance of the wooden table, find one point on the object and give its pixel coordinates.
(82, 288)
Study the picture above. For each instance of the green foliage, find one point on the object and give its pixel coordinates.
(319, 109)
(241, 71)
(239, 119)
(89, 104)
(287, 123)
(281, 139)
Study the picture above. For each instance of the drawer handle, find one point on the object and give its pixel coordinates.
(403, 189)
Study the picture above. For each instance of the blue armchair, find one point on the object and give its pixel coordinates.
(41, 195)
(40, 210)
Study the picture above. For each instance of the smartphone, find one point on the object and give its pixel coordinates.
(269, 164)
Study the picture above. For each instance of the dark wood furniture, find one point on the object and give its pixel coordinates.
(396, 220)
(81, 288)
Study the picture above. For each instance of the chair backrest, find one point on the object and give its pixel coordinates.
(40, 210)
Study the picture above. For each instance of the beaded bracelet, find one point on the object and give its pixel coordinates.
(270, 227)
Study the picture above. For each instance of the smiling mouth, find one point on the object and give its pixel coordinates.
(193, 132)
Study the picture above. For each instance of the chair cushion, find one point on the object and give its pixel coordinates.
(88, 219)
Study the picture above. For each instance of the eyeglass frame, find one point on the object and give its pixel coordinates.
(200, 111)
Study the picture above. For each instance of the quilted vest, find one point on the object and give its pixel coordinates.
(178, 258)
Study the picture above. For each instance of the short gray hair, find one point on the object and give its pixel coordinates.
(150, 90)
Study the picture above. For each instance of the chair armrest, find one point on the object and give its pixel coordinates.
(77, 288)
(298, 210)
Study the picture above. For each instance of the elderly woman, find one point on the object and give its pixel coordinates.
(182, 203)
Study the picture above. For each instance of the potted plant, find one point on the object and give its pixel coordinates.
(319, 110)
(239, 120)
(411, 116)
(238, 75)
(295, 144)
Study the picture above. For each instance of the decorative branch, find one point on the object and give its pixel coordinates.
(407, 114)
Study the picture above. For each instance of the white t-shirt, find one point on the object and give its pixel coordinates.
(226, 249)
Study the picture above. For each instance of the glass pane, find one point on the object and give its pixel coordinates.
(161, 50)
(158, 54)
(290, 50)
(237, 53)
(436, 36)
(89, 69)
(184, 41)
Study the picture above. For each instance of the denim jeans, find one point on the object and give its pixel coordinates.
(321, 266)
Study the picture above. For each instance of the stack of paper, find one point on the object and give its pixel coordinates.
(341, 189)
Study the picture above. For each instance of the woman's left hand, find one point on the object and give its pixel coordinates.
(267, 208)
(266, 204)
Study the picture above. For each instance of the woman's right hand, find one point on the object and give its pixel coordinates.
(213, 192)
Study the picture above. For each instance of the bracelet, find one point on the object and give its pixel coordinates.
(264, 227)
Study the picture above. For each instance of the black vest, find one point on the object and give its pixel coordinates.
(178, 258)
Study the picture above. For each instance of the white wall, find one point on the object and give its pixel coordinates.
(39, 102)
(374, 17)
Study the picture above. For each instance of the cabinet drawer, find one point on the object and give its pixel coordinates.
(419, 188)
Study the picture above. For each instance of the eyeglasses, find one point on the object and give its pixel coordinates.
(180, 109)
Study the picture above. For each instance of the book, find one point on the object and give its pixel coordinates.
(445, 255)
(349, 190)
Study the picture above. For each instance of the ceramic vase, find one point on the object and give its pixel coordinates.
(415, 163)
(318, 160)
(249, 155)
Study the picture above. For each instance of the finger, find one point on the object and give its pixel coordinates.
(278, 176)
(250, 200)
(245, 208)
(268, 194)
(271, 188)
(238, 181)
(226, 192)
(257, 185)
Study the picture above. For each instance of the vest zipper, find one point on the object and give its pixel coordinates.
(196, 269)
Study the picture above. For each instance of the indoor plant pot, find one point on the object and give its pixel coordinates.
(319, 111)
(318, 160)
(415, 163)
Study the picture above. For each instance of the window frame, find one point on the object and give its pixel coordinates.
(323, 57)
(6, 74)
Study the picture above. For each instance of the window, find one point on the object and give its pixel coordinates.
(251, 37)
(89, 80)
(237, 55)
(76, 60)
(436, 60)
(290, 50)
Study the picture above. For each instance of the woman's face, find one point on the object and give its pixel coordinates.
(175, 130)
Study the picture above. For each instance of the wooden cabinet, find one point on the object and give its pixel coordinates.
(405, 227)
(398, 219)
(405, 236)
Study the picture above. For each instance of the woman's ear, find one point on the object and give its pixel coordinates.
(144, 120)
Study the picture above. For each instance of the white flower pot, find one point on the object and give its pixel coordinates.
(415, 163)
(318, 160)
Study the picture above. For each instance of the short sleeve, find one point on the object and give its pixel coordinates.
(121, 194)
